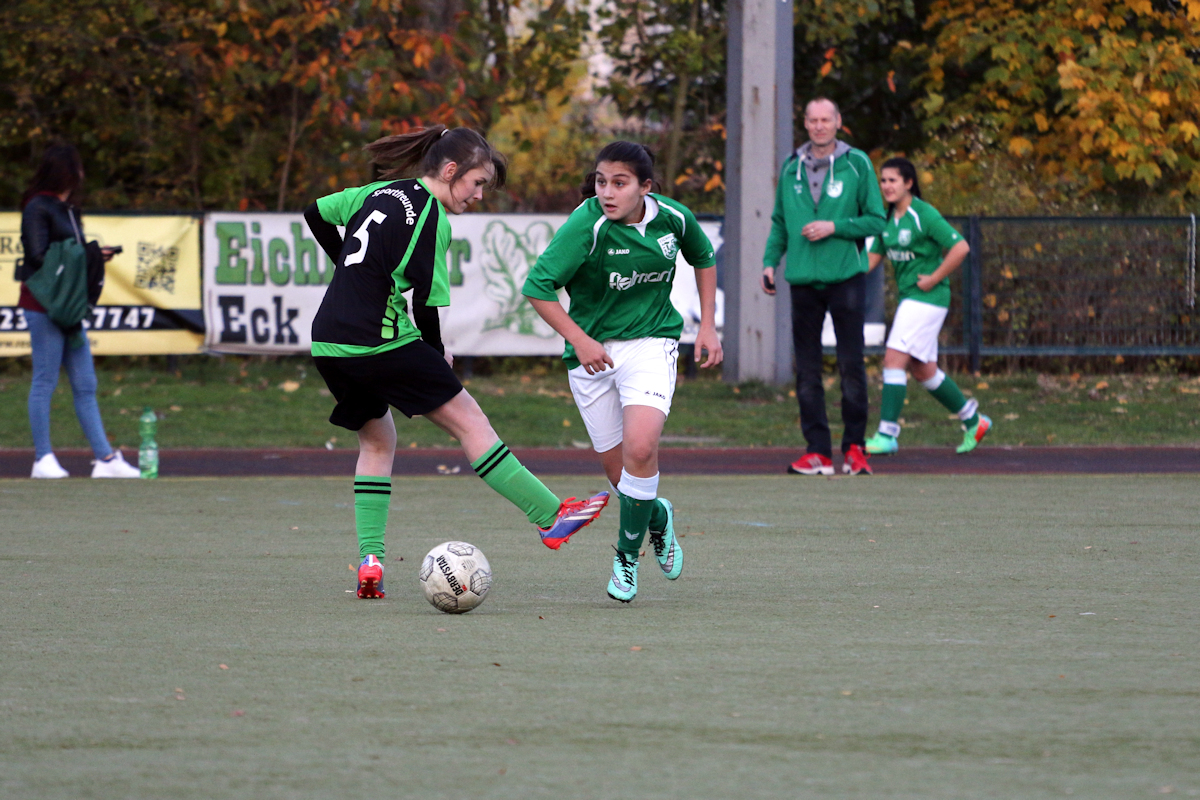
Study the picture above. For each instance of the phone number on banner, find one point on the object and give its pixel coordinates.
(116, 318)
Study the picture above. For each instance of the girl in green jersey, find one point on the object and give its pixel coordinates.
(615, 256)
(373, 357)
(914, 240)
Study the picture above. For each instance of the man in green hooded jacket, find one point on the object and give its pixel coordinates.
(826, 204)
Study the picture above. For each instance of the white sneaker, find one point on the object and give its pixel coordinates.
(116, 467)
(48, 467)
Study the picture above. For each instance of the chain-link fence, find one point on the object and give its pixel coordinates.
(1074, 286)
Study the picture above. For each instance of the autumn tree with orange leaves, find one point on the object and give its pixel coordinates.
(1093, 95)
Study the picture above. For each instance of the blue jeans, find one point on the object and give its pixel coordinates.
(51, 350)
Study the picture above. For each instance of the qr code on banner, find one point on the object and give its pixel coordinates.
(156, 267)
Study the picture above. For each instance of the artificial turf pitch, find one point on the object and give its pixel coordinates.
(892, 637)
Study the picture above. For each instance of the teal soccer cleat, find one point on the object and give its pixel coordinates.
(623, 583)
(666, 546)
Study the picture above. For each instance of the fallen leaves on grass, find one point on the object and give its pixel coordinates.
(445, 470)
(237, 712)
(635, 648)
(289, 386)
(222, 666)
(982, 385)
(1011, 416)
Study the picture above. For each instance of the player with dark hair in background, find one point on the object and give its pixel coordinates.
(914, 239)
(615, 256)
(372, 356)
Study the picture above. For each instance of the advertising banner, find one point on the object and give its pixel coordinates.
(151, 299)
(264, 277)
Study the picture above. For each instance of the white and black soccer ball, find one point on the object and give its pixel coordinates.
(455, 577)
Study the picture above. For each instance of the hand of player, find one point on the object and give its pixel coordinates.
(707, 339)
(768, 281)
(108, 253)
(592, 356)
(817, 230)
(926, 283)
(449, 358)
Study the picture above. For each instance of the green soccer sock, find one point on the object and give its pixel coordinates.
(372, 496)
(658, 516)
(501, 470)
(895, 387)
(635, 511)
(946, 392)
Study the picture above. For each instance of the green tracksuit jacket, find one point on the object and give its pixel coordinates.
(850, 198)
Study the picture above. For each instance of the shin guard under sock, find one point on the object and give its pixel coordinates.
(372, 496)
(507, 476)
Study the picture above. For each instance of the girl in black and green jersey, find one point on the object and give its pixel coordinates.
(372, 356)
(615, 256)
(914, 240)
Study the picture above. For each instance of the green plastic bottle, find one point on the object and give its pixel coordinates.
(148, 452)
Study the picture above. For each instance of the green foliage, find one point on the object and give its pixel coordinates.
(1094, 95)
(261, 104)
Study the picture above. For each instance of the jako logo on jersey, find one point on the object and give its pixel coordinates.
(669, 246)
(620, 283)
(410, 214)
(905, 237)
(614, 252)
(900, 255)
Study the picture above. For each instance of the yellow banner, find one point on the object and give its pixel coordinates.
(151, 299)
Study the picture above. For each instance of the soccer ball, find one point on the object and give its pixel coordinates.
(455, 577)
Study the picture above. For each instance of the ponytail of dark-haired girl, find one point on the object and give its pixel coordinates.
(424, 152)
(907, 171)
(637, 156)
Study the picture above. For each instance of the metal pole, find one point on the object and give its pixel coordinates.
(975, 293)
(749, 193)
(785, 137)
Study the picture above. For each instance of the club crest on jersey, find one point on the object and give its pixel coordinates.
(669, 245)
(834, 189)
(905, 237)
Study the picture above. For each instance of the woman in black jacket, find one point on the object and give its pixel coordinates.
(48, 216)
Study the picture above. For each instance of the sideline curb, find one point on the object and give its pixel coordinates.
(268, 462)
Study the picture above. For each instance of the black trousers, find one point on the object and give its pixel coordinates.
(845, 303)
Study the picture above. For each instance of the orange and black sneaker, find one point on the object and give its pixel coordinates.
(572, 515)
(370, 579)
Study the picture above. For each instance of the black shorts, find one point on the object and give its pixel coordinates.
(414, 378)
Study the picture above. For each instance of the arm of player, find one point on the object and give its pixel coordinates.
(874, 260)
(706, 338)
(590, 353)
(324, 232)
(430, 325)
(951, 262)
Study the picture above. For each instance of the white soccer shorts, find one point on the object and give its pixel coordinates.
(915, 329)
(643, 374)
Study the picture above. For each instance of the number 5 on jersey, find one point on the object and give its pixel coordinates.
(364, 236)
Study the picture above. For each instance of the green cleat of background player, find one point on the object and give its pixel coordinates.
(973, 434)
(882, 445)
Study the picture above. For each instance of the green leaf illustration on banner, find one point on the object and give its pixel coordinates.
(507, 258)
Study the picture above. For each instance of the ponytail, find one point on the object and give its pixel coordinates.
(425, 152)
(636, 156)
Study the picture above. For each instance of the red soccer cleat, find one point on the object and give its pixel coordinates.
(370, 579)
(572, 515)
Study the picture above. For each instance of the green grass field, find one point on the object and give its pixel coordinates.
(251, 402)
(1012, 637)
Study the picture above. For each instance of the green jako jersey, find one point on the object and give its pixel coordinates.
(914, 243)
(619, 276)
(397, 236)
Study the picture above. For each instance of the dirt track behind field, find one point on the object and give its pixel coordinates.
(673, 461)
